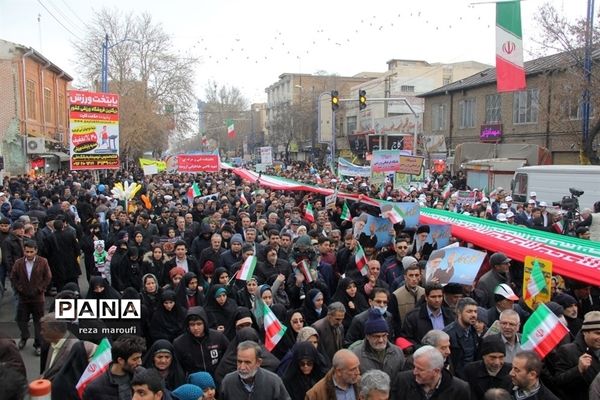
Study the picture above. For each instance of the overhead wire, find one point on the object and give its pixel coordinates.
(56, 19)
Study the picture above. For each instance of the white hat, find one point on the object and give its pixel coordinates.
(168, 197)
(333, 181)
(484, 199)
(531, 201)
(363, 184)
(532, 194)
(543, 204)
(454, 195)
(413, 189)
(506, 291)
(508, 198)
(501, 217)
(466, 213)
(422, 197)
(510, 214)
(476, 190)
(504, 205)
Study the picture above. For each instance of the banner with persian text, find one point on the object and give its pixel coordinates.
(94, 130)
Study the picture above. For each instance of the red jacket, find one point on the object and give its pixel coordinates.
(31, 290)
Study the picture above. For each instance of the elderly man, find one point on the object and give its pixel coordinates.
(376, 352)
(429, 380)
(342, 380)
(577, 363)
(510, 322)
(441, 341)
(374, 385)
(331, 330)
(250, 380)
(491, 372)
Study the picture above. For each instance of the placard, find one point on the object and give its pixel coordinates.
(150, 169)
(544, 295)
(410, 164)
(330, 201)
(385, 161)
(266, 155)
(198, 163)
(453, 264)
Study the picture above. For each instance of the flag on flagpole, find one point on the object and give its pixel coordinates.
(395, 215)
(537, 281)
(193, 192)
(360, 259)
(247, 269)
(446, 191)
(558, 227)
(510, 73)
(230, 129)
(274, 329)
(304, 267)
(542, 331)
(309, 213)
(96, 367)
(345, 216)
(243, 199)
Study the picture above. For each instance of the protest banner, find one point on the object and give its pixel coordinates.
(454, 264)
(439, 234)
(383, 228)
(410, 164)
(385, 161)
(198, 163)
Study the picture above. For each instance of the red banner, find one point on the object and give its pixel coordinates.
(198, 163)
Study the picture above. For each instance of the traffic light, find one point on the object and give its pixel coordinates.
(335, 100)
(362, 99)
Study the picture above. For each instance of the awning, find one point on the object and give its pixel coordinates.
(64, 157)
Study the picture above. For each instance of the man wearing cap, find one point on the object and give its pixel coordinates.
(533, 196)
(491, 372)
(4, 234)
(378, 300)
(234, 254)
(498, 274)
(376, 351)
(405, 298)
(510, 322)
(506, 299)
(464, 341)
(147, 229)
(578, 363)
(570, 312)
(12, 247)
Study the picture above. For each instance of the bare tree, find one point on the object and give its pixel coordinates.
(568, 37)
(155, 84)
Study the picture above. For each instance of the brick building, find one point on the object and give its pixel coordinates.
(547, 113)
(33, 110)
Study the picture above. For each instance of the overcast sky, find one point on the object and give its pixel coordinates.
(248, 44)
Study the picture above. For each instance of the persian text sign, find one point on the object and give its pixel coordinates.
(198, 163)
(94, 130)
(490, 133)
(385, 161)
(410, 165)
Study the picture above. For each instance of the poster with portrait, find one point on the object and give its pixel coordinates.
(439, 234)
(453, 264)
(382, 227)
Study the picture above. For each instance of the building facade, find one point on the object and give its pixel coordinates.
(547, 113)
(33, 110)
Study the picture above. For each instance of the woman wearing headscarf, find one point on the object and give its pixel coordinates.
(221, 277)
(347, 293)
(153, 262)
(168, 320)
(314, 307)
(161, 357)
(220, 308)
(188, 294)
(101, 290)
(151, 292)
(175, 276)
(294, 321)
(246, 297)
(304, 371)
(229, 361)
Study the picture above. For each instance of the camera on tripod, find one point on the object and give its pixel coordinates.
(570, 203)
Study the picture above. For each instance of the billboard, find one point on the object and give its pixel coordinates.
(94, 130)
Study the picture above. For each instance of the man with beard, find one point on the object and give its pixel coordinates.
(430, 315)
(525, 376)
(115, 382)
(571, 313)
(250, 380)
(491, 371)
(464, 341)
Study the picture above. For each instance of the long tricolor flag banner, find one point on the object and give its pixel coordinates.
(274, 329)
(97, 366)
(247, 270)
(510, 72)
(570, 257)
(543, 331)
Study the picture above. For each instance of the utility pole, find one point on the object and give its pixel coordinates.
(587, 74)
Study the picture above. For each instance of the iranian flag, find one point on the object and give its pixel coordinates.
(558, 227)
(194, 191)
(230, 129)
(446, 191)
(97, 366)
(345, 216)
(304, 267)
(395, 215)
(537, 281)
(510, 74)
(542, 331)
(243, 199)
(274, 329)
(247, 269)
(309, 213)
(360, 259)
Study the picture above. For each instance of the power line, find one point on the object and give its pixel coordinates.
(72, 11)
(68, 20)
(56, 19)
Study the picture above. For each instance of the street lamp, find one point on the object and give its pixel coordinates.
(105, 48)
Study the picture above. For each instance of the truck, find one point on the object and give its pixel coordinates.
(552, 183)
(491, 173)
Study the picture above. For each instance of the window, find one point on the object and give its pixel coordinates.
(61, 110)
(438, 117)
(31, 103)
(525, 106)
(493, 104)
(47, 105)
(350, 125)
(407, 88)
(467, 113)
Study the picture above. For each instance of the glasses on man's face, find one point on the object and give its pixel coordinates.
(402, 247)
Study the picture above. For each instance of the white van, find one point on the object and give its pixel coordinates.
(552, 182)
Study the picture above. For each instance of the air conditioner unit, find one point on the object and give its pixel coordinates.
(36, 145)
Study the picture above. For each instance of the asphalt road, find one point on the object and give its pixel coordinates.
(9, 327)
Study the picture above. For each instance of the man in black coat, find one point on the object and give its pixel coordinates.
(63, 251)
(181, 259)
(525, 376)
(464, 340)
(378, 299)
(429, 380)
(491, 372)
(430, 315)
(577, 363)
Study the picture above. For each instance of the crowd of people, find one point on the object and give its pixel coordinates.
(386, 333)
